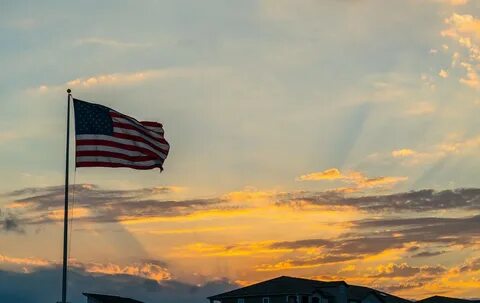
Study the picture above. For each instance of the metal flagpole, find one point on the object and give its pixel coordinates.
(65, 216)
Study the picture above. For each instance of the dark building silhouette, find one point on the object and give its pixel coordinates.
(98, 298)
(441, 299)
(297, 290)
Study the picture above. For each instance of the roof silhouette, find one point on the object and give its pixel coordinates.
(442, 299)
(280, 285)
(111, 299)
(289, 285)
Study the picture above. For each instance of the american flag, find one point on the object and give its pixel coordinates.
(107, 138)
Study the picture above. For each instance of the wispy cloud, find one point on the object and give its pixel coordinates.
(149, 269)
(453, 2)
(443, 73)
(465, 30)
(7, 136)
(358, 180)
(412, 201)
(109, 43)
(421, 109)
(455, 146)
(43, 205)
(403, 153)
(393, 270)
(9, 223)
(146, 269)
(146, 205)
(127, 78)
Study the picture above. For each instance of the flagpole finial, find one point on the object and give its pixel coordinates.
(69, 91)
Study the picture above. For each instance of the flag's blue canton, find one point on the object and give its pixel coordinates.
(92, 119)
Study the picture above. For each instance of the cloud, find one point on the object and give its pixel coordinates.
(110, 79)
(443, 73)
(93, 204)
(453, 2)
(10, 222)
(403, 153)
(229, 250)
(109, 43)
(358, 180)
(23, 262)
(472, 79)
(150, 269)
(43, 286)
(412, 201)
(426, 254)
(7, 136)
(392, 270)
(305, 263)
(301, 244)
(372, 240)
(470, 265)
(33, 206)
(462, 24)
(465, 30)
(421, 109)
(450, 147)
(329, 174)
(461, 231)
(126, 78)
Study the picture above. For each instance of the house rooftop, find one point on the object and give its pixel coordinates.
(441, 299)
(110, 299)
(276, 286)
(289, 285)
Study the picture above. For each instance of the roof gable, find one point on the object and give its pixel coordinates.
(110, 299)
(289, 286)
(277, 286)
(442, 299)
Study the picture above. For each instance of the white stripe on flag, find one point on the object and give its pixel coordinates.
(139, 126)
(132, 132)
(121, 141)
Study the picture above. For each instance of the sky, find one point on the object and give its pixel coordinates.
(325, 139)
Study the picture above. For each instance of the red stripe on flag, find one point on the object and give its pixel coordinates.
(115, 165)
(151, 124)
(158, 137)
(101, 153)
(140, 139)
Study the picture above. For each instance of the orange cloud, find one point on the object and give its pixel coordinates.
(357, 179)
(329, 174)
(249, 194)
(78, 212)
(238, 249)
(196, 216)
(465, 30)
(116, 79)
(111, 79)
(443, 73)
(36, 262)
(145, 270)
(404, 152)
(453, 2)
(472, 78)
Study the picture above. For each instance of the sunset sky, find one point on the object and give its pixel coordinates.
(326, 139)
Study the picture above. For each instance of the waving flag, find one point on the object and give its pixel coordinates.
(107, 138)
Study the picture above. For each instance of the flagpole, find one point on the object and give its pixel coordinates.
(65, 216)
